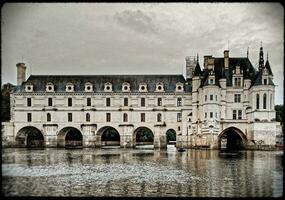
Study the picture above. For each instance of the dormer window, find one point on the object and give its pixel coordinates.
(29, 88)
(143, 87)
(69, 87)
(179, 87)
(50, 87)
(237, 81)
(88, 87)
(126, 87)
(108, 87)
(159, 87)
(211, 81)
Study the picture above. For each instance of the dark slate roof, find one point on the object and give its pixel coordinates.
(258, 80)
(98, 81)
(197, 71)
(220, 72)
(267, 66)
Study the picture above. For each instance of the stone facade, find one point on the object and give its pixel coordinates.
(228, 99)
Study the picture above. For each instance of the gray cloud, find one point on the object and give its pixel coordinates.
(136, 20)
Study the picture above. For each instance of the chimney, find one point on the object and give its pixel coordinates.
(226, 59)
(21, 73)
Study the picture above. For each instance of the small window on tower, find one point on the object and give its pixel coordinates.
(265, 81)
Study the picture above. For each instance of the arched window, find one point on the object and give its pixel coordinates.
(48, 117)
(264, 101)
(158, 117)
(257, 101)
(125, 117)
(87, 117)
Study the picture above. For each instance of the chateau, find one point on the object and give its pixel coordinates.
(227, 104)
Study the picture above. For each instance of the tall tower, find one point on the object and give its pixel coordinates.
(190, 65)
(21, 73)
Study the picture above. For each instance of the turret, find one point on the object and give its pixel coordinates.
(21, 73)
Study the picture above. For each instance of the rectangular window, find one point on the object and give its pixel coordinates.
(178, 128)
(211, 97)
(237, 98)
(239, 114)
(88, 101)
(126, 102)
(142, 117)
(211, 114)
(70, 117)
(142, 102)
(108, 102)
(29, 102)
(29, 117)
(69, 102)
(125, 117)
(49, 101)
(205, 115)
(205, 97)
(234, 114)
(179, 101)
(237, 81)
(265, 81)
(211, 81)
(108, 117)
(159, 101)
(179, 116)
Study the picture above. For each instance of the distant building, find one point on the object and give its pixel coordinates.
(229, 100)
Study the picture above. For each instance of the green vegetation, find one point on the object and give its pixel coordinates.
(110, 135)
(144, 135)
(170, 135)
(73, 134)
(279, 113)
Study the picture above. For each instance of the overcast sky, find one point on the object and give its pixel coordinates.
(136, 38)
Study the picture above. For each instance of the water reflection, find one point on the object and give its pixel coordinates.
(141, 172)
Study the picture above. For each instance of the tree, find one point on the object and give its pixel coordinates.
(279, 113)
(5, 101)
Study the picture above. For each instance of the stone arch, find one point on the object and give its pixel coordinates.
(108, 136)
(30, 137)
(233, 138)
(171, 136)
(143, 136)
(69, 137)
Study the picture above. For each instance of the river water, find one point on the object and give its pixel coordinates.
(141, 172)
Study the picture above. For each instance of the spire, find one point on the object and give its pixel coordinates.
(197, 70)
(197, 57)
(261, 60)
(267, 66)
